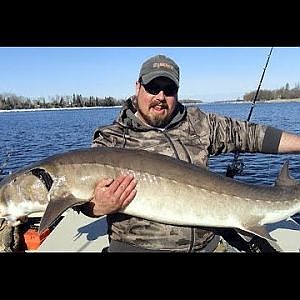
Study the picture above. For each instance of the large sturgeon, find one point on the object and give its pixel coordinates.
(168, 191)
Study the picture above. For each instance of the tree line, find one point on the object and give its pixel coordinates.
(12, 101)
(284, 92)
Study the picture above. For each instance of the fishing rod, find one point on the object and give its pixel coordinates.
(237, 165)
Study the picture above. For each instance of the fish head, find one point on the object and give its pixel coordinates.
(21, 195)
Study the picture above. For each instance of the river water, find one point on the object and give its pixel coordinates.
(28, 136)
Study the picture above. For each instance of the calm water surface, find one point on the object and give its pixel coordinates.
(28, 136)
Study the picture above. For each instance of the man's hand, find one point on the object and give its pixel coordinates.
(111, 195)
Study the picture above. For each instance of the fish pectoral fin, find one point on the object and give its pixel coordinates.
(260, 231)
(56, 207)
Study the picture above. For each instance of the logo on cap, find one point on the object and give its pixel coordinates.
(164, 65)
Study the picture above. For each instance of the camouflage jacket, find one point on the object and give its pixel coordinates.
(192, 136)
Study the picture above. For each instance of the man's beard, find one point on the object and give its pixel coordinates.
(155, 120)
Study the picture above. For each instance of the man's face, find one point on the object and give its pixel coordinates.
(156, 101)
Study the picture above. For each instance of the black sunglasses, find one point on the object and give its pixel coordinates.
(155, 88)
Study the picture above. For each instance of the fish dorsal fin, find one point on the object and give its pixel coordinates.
(284, 178)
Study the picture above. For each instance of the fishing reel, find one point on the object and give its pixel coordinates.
(236, 167)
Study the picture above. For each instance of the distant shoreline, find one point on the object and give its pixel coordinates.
(55, 108)
(250, 102)
(281, 100)
(118, 106)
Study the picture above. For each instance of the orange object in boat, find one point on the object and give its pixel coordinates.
(33, 239)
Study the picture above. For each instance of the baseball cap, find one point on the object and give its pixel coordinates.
(159, 65)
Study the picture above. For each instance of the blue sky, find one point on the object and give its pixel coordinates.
(207, 73)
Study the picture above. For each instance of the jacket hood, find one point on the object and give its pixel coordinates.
(128, 119)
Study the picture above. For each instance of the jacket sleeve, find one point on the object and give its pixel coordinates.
(228, 135)
(107, 136)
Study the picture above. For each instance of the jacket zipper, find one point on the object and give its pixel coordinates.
(176, 155)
